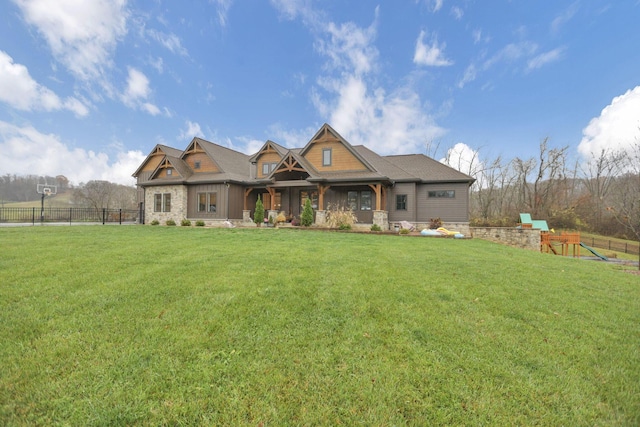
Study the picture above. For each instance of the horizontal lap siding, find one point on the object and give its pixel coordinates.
(448, 210)
(410, 214)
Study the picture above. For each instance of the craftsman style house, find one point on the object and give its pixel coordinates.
(215, 184)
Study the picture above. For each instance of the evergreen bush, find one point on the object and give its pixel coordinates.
(307, 214)
(258, 215)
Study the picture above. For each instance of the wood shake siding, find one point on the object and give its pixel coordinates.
(206, 164)
(152, 163)
(341, 158)
(268, 157)
(449, 209)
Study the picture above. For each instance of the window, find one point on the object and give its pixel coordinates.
(207, 202)
(352, 200)
(196, 164)
(448, 194)
(169, 171)
(326, 157)
(365, 200)
(401, 202)
(267, 168)
(162, 202)
(360, 200)
(304, 195)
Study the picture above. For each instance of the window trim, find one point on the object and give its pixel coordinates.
(162, 202)
(441, 194)
(401, 202)
(327, 161)
(207, 201)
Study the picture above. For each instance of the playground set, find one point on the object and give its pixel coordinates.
(550, 242)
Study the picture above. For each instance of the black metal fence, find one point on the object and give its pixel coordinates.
(69, 215)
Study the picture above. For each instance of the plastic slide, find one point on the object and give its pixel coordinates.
(602, 257)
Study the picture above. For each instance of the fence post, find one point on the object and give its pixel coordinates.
(120, 214)
(103, 215)
(33, 216)
(70, 215)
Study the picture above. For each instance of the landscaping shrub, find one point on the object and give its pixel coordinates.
(435, 223)
(340, 217)
(404, 231)
(258, 215)
(185, 223)
(307, 214)
(154, 222)
(375, 227)
(199, 223)
(170, 222)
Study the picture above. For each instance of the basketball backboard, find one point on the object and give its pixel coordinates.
(46, 189)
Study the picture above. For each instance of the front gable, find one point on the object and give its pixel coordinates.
(267, 158)
(170, 168)
(290, 169)
(153, 159)
(198, 160)
(327, 151)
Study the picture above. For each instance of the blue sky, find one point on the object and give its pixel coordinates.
(88, 88)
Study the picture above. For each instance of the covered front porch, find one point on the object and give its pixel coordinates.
(368, 201)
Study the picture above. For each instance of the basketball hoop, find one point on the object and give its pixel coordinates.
(46, 190)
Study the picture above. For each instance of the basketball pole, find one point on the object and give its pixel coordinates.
(42, 209)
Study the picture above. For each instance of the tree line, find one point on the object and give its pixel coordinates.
(95, 194)
(601, 195)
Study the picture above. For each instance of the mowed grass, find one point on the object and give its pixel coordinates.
(141, 325)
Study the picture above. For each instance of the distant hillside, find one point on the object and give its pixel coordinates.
(57, 201)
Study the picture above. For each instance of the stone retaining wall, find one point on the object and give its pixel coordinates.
(523, 238)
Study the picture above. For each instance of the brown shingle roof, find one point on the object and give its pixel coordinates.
(427, 169)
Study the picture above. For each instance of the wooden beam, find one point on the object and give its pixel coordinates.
(321, 190)
(377, 188)
(247, 191)
(272, 193)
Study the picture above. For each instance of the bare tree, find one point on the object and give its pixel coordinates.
(598, 177)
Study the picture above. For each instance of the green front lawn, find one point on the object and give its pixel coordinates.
(141, 325)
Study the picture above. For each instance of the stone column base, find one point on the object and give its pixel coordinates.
(246, 216)
(321, 218)
(381, 218)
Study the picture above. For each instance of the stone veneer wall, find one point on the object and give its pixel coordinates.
(524, 238)
(178, 203)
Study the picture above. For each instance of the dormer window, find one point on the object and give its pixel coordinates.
(196, 164)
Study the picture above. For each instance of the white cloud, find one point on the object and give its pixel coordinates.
(464, 159)
(137, 92)
(223, 7)
(616, 128)
(348, 94)
(27, 149)
(469, 75)
(545, 58)
(21, 91)
(81, 34)
(430, 55)
(170, 41)
(191, 130)
(457, 12)
(565, 16)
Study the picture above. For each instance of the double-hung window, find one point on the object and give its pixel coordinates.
(401, 202)
(207, 202)
(162, 202)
